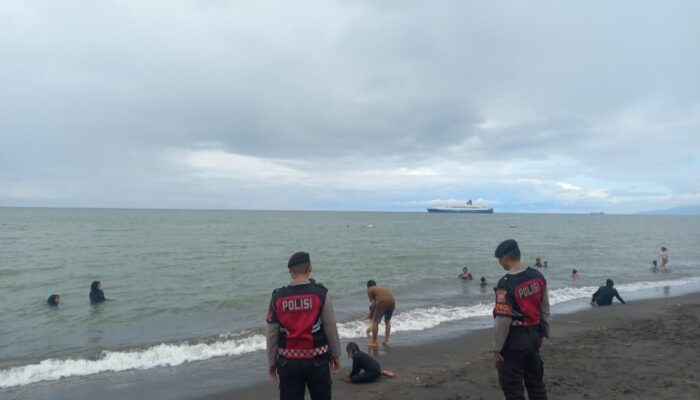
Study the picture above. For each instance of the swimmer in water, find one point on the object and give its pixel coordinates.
(545, 265)
(54, 300)
(97, 296)
(465, 274)
(483, 282)
(663, 256)
(654, 266)
(574, 274)
(538, 262)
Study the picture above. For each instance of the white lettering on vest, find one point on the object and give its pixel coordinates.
(297, 304)
(529, 290)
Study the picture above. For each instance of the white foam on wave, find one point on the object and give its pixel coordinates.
(418, 319)
(115, 361)
(233, 344)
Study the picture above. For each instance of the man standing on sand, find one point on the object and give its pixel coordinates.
(302, 338)
(382, 306)
(520, 312)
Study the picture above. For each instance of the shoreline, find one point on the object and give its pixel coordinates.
(655, 343)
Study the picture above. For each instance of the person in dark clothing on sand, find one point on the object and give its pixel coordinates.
(604, 295)
(54, 300)
(365, 369)
(97, 296)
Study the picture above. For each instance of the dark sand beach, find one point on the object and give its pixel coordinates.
(649, 349)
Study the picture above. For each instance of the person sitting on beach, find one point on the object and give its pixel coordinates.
(604, 295)
(465, 274)
(383, 305)
(663, 256)
(574, 274)
(365, 369)
(53, 300)
(538, 262)
(97, 296)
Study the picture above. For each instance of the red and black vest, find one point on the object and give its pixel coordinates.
(519, 296)
(298, 311)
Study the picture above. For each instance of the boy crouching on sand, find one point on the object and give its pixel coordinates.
(365, 369)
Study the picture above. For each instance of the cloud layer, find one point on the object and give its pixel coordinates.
(534, 106)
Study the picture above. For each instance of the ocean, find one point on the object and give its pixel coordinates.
(190, 289)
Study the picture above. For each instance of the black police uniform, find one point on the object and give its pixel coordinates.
(302, 345)
(521, 298)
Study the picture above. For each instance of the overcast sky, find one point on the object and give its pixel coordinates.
(537, 106)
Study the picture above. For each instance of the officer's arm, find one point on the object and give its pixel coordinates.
(273, 332)
(544, 307)
(500, 332)
(331, 331)
(502, 313)
(544, 314)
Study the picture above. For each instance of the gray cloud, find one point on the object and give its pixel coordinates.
(95, 99)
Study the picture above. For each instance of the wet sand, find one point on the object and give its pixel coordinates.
(649, 349)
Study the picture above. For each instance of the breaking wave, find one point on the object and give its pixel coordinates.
(172, 354)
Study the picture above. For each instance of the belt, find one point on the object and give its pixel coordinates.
(521, 324)
(302, 353)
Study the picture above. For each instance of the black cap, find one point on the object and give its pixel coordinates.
(300, 257)
(505, 247)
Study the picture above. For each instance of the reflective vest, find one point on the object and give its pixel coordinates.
(298, 311)
(519, 296)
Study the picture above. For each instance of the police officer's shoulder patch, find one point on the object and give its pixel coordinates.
(502, 308)
(278, 289)
(501, 295)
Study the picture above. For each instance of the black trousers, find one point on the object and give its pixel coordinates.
(366, 377)
(295, 375)
(522, 362)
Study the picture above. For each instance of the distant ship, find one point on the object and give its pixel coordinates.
(467, 208)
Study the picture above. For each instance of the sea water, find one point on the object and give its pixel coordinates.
(189, 287)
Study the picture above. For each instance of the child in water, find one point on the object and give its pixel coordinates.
(574, 274)
(365, 369)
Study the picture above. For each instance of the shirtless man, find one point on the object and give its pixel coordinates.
(382, 307)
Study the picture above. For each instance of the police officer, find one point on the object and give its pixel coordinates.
(302, 338)
(522, 306)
